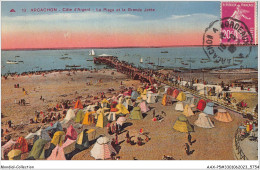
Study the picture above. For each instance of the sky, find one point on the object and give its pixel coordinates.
(168, 24)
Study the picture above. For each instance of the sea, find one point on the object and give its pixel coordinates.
(153, 58)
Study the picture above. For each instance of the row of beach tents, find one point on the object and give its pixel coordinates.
(110, 109)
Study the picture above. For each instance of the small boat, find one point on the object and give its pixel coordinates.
(89, 60)
(17, 56)
(204, 61)
(73, 65)
(184, 63)
(141, 60)
(159, 67)
(164, 51)
(11, 62)
(92, 53)
(64, 58)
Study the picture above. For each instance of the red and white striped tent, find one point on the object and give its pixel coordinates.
(102, 148)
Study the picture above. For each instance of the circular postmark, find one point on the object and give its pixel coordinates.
(227, 41)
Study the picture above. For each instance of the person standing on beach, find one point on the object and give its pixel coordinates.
(153, 113)
(189, 138)
(127, 135)
(187, 148)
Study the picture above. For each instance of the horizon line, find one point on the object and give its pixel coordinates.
(71, 48)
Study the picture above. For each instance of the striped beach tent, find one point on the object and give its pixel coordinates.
(223, 116)
(102, 149)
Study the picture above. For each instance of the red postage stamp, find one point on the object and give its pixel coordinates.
(243, 12)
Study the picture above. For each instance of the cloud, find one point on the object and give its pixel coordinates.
(179, 16)
(197, 15)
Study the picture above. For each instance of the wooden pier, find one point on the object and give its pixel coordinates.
(149, 76)
(125, 68)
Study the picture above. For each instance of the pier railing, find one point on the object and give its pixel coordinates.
(239, 150)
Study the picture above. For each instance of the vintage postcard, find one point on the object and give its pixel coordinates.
(124, 81)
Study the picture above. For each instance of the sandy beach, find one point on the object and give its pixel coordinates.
(211, 144)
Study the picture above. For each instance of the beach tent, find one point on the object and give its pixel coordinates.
(182, 124)
(151, 97)
(69, 116)
(136, 113)
(161, 91)
(128, 102)
(175, 93)
(71, 133)
(102, 120)
(102, 149)
(58, 138)
(204, 121)
(57, 154)
(90, 108)
(201, 105)
(127, 93)
(55, 127)
(121, 120)
(67, 143)
(104, 103)
(140, 90)
(79, 116)
(82, 141)
(164, 100)
(22, 144)
(223, 116)
(187, 111)
(121, 100)
(144, 107)
(194, 102)
(181, 96)
(87, 118)
(166, 89)
(42, 134)
(121, 109)
(169, 91)
(143, 94)
(179, 106)
(189, 98)
(113, 99)
(38, 150)
(209, 109)
(14, 154)
(111, 116)
(7, 148)
(78, 105)
(134, 95)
